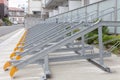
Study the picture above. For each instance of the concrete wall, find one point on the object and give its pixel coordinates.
(74, 4)
(93, 1)
(51, 14)
(62, 9)
(34, 5)
(55, 12)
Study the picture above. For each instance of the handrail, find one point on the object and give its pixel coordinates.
(114, 46)
(106, 42)
(94, 12)
(79, 8)
(84, 17)
(108, 13)
(103, 10)
(91, 37)
(100, 15)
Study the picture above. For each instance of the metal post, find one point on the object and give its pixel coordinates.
(115, 16)
(86, 14)
(97, 10)
(71, 17)
(101, 51)
(28, 6)
(24, 21)
(46, 66)
(78, 16)
(56, 20)
(83, 45)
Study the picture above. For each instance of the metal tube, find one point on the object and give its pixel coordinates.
(115, 16)
(100, 44)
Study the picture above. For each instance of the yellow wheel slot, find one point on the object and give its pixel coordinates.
(21, 49)
(16, 48)
(6, 65)
(18, 57)
(13, 71)
(12, 55)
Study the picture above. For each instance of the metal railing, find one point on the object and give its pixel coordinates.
(98, 7)
(114, 46)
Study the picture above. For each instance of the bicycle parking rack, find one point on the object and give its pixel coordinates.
(50, 37)
(57, 45)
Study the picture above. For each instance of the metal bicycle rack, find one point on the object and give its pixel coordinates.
(50, 37)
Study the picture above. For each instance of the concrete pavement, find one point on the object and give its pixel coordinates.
(8, 29)
(70, 70)
(6, 48)
(82, 70)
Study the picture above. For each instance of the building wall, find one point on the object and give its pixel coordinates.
(62, 9)
(3, 8)
(16, 16)
(74, 4)
(67, 5)
(19, 20)
(34, 6)
(93, 1)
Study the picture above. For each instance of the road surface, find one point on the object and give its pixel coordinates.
(8, 29)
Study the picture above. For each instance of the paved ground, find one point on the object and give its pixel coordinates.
(73, 70)
(8, 29)
(6, 48)
(4, 30)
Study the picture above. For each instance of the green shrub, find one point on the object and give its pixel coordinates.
(70, 33)
(107, 38)
(76, 30)
(7, 21)
(116, 51)
(114, 39)
(1, 22)
(105, 31)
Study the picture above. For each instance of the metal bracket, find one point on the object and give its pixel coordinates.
(43, 78)
(46, 67)
(101, 66)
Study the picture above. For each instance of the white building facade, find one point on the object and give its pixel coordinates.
(55, 7)
(34, 7)
(16, 15)
(49, 8)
